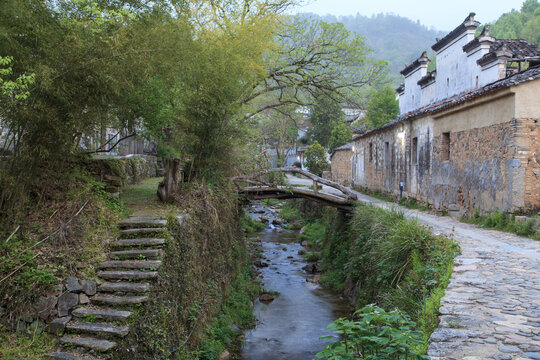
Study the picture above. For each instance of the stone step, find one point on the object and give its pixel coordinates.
(128, 287)
(130, 264)
(142, 231)
(62, 355)
(127, 275)
(142, 242)
(136, 254)
(88, 342)
(98, 328)
(101, 313)
(118, 300)
(142, 222)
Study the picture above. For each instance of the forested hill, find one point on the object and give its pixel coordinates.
(393, 38)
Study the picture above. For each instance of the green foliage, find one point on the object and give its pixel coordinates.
(504, 222)
(237, 311)
(33, 346)
(314, 233)
(17, 88)
(325, 115)
(316, 158)
(524, 24)
(382, 107)
(394, 263)
(290, 213)
(376, 334)
(249, 225)
(341, 134)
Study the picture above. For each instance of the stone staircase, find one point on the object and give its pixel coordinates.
(125, 281)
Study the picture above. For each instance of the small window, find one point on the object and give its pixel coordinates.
(445, 146)
(476, 80)
(386, 153)
(447, 82)
(414, 152)
(370, 152)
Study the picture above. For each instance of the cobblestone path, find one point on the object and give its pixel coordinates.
(491, 309)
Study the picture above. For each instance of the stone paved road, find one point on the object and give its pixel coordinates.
(491, 309)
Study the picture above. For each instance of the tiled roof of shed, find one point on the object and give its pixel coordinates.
(515, 79)
(347, 146)
(513, 48)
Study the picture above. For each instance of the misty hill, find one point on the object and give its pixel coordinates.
(393, 38)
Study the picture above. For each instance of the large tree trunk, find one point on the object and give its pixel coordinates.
(169, 186)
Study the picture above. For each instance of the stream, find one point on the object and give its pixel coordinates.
(290, 326)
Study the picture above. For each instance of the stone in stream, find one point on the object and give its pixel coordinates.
(260, 264)
(266, 298)
(225, 355)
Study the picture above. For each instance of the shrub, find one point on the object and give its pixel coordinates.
(375, 335)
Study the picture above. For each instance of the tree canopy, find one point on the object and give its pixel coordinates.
(523, 24)
(382, 107)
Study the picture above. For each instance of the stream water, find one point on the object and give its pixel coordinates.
(289, 327)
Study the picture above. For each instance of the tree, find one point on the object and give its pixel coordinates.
(324, 115)
(316, 158)
(313, 59)
(341, 134)
(524, 24)
(279, 130)
(382, 107)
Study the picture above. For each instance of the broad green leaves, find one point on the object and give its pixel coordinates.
(375, 335)
(17, 88)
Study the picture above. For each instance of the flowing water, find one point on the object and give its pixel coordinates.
(290, 327)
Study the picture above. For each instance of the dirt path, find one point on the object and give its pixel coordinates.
(491, 309)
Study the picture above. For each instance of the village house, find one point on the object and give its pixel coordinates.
(467, 136)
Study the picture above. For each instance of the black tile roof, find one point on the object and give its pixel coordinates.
(428, 79)
(513, 48)
(515, 79)
(454, 34)
(423, 59)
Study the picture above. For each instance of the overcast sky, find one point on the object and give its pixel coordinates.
(442, 15)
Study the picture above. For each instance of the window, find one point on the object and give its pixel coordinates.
(386, 153)
(370, 152)
(476, 80)
(414, 151)
(445, 146)
(447, 82)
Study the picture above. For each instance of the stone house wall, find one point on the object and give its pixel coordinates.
(483, 153)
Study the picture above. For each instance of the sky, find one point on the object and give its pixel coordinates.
(442, 15)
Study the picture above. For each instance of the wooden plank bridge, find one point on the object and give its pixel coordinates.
(254, 188)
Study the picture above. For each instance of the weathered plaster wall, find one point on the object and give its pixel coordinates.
(341, 166)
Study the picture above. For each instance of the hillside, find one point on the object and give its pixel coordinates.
(393, 38)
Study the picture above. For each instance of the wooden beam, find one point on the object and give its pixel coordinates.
(350, 194)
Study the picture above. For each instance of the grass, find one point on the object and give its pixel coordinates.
(314, 233)
(17, 346)
(504, 222)
(408, 202)
(399, 264)
(236, 312)
(290, 213)
(142, 198)
(249, 225)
